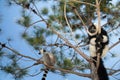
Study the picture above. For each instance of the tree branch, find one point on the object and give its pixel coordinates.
(71, 45)
(17, 53)
(83, 2)
(114, 44)
(69, 71)
(113, 71)
(68, 22)
(98, 13)
(76, 12)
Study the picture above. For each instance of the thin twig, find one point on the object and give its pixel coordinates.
(40, 14)
(66, 18)
(68, 22)
(114, 71)
(28, 67)
(71, 45)
(83, 2)
(32, 24)
(113, 28)
(17, 53)
(69, 71)
(76, 12)
(35, 74)
(114, 45)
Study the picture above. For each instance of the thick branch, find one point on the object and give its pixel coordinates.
(98, 13)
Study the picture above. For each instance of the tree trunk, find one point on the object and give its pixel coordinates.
(94, 75)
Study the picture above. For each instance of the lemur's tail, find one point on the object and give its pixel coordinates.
(45, 74)
(101, 71)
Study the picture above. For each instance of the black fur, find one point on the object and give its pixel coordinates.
(45, 74)
(99, 45)
(102, 73)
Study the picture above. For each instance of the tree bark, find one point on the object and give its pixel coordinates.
(94, 75)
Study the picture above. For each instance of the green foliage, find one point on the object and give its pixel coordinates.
(24, 21)
(81, 64)
(13, 67)
(67, 64)
(17, 73)
(9, 69)
(24, 35)
(77, 61)
(36, 40)
(45, 11)
(77, 36)
(52, 17)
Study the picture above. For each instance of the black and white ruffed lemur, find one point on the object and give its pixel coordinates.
(98, 44)
(48, 59)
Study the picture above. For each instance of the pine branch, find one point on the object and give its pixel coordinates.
(70, 71)
(17, 53)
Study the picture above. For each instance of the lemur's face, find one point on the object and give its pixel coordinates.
(92, 29)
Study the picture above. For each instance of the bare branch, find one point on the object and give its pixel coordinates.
(98, 13)
(66, 18)
(68, 22)
(114, 44)
(71, 45)
(113, 71)
(83, 2)
(75, 10)
(17, 53)
(113, 28)
(35, 74)
(69, 71)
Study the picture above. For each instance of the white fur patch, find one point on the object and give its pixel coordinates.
(92, 50)
(92, 41)
(41, 51)
(105, 50)
(105, 38)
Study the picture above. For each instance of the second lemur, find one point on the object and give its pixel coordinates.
(48, 59)
(98, 44)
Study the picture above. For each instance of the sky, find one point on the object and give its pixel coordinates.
(10, 29)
